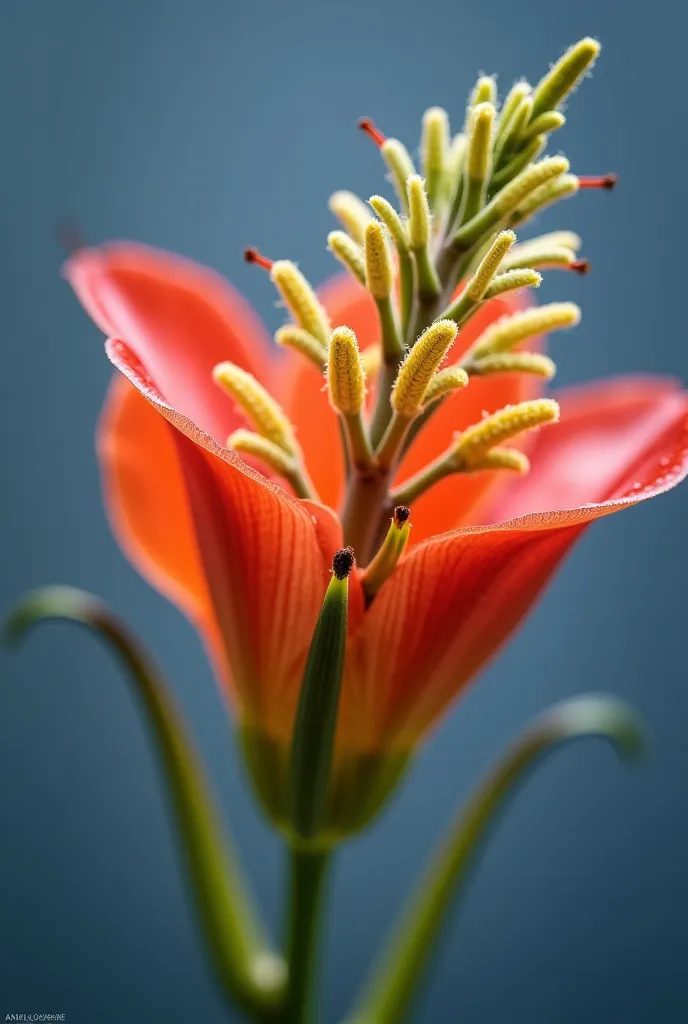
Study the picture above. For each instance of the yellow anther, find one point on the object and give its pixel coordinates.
(372, 360)
(392, 221)
(260, 407)
(419, 213)
(550, 192)
(397, 158)
(434, 150)
(507, 332)
(379, 271)
(564, 75)
(420, 365)
(479, 151)
(474, 443)
(515, 362)
(530, 179)
(352, 213)
(347, 252)
(566, 239)
(510, 199)
(535, 254)
(453, 378)
(489, 265)
(300, 299)
(246, 442)
(503, 458)
(301, 341)
(513, 281)
(346, 380)
(484, 91)
(544, 124)
(516, 94)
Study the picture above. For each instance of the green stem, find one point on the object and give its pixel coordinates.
(366, 496)
(307, 875)
(396, 977)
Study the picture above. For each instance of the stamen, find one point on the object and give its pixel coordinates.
(391, 550)
(518, 92)
(544, 124)
(478, 162)
(475, 442)
(513, 281)
(503, 458)
(251, 255)
(419, 222)
(509, 331)
(343, 563)
(379, 270)
(372, 360)
(539, 253)
(345, 374)
(515, 362)
(396, 156)
(392, 221)
(260, 407)
(607, 181)
(513, 196)
(453, 378)
(419, 367)
(301, 341)
(489, 265)
(369, 128)
(565, 75)
(434, 150)
(547, 194)
(300, 299)
(352, 212)
(348, 253)
(246, 442)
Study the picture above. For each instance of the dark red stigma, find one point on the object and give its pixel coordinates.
(580, 266)
(343, 563)
(598, 181)
(251, 255)
(367, 125)
(401, 515)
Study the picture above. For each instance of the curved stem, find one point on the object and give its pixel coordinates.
(307, 876)
(396, 977)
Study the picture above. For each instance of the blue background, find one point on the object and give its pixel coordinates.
(203, 127)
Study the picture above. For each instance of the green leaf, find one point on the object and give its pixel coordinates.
(250, 973)
(395, 979)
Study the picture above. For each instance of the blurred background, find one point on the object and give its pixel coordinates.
(203, 127)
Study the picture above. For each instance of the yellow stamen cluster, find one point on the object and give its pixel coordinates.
(489, 265)
(246, 442)
(515, 362)
(503, 458)
(419, 213)
(392, 221)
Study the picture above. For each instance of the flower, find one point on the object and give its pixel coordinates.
(243, 544)
(248, 563)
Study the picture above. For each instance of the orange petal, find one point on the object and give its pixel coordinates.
(180, 318)
(455, 500)
(454, 600)
(265, 557)
(303, 396)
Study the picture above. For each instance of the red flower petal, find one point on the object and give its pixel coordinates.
(180, 318)
(455, 599)
(265, 557)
